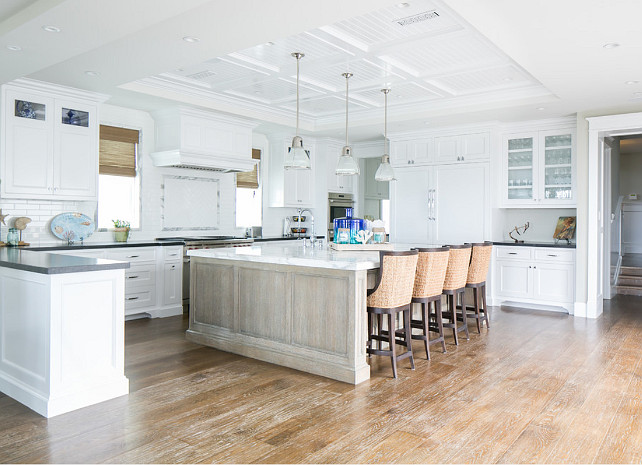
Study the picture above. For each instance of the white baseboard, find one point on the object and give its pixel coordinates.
(580, 309)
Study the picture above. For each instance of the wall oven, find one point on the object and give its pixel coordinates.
(337, 204)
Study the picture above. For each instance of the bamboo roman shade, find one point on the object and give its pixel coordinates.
(118, 151)
(250, 179)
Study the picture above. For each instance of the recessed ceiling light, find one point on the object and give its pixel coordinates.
(51, 28)
(191, 39)
(14, 48)
(92, 73)
(179, 70)
(403, 5)
(630, 83)
(269, 44)
(611, 45)
(540, 108)
(508, 79)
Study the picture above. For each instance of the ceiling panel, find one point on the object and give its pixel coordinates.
(399, 94)
(443, 54)
(217, 72)
(272, 91)
(481, 80)
(365, 72)
(393, 24)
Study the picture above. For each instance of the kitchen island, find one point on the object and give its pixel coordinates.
(304, 308)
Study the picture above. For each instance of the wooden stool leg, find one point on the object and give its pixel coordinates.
(452, 308)
(406, 317)
(391, 341)
(483, 296)
(478, 318)
(424, 326)
(369, 343)
(440, 324)
(379, 329)
(463, 311)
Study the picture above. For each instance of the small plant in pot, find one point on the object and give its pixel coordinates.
(121, 230)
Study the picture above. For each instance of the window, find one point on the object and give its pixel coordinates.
(118, 180)
(248, 196)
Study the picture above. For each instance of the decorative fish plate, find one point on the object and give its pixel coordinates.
(72, 226)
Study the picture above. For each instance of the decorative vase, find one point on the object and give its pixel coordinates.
(121, 234)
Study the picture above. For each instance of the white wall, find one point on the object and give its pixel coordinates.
(630, 174)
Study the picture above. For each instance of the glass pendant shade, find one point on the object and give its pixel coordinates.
(297, 157)
(347, 165)
(385, 171)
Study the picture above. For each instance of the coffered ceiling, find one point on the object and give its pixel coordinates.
(448, 62)
(422, 51)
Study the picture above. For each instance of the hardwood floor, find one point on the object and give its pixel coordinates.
(537, 387)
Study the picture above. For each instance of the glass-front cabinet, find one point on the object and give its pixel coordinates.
(539, 168)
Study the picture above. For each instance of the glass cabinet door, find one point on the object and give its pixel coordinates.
(521, 168)
(558, 167)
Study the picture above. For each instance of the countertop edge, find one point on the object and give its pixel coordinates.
(536, 244)
(106, 245)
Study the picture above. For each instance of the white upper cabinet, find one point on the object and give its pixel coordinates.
(49, 142)
(417, 151)
(291, 187)
(462, 148)
(539, 168)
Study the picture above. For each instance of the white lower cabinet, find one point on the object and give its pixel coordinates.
(153, 281)
(534, 276)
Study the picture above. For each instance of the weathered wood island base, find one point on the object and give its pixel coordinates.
(294, 314)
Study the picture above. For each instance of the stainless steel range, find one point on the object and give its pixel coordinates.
(203, 242)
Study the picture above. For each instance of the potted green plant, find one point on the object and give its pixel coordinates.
(121, 230)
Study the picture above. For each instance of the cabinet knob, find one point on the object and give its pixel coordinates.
(458, 158)
(462, 158)
(173, 266)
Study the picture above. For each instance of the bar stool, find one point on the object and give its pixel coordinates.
(392, 295)
(455, 285)
(429, 284)
(477, 273)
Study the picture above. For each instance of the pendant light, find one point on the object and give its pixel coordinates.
(385, 172)
(347, 165)
(297, 157)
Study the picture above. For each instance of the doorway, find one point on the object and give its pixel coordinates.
(605, 132)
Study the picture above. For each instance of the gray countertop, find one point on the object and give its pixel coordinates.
(46, 263)
(102, 245)
(560, 244)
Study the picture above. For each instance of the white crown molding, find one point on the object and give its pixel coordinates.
(49, 88)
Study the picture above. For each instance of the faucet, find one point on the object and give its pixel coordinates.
(312, 234)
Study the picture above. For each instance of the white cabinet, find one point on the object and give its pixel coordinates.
(49, 142)
(153, 281)
(539, 276)
(291, 187)
(446, 204)
(418, 151)
(374, 189)
(539, 168)
(462, 147)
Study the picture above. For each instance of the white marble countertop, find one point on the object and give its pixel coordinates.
(293, 253)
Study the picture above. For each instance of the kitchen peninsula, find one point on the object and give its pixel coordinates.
(304, 308)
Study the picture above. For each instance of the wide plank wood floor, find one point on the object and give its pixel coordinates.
(538, 387)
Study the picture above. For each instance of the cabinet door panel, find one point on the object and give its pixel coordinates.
(461, 203)
(28, 160)
(554, 282)
(410, 206)
(475, 146)
(447, 148)
(75, 163)
(513, 279)
(172, 283)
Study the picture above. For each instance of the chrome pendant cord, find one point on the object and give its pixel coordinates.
(347, 76)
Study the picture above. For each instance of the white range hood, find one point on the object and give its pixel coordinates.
(188, 138)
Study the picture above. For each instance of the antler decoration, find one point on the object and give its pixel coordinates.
(516, 230)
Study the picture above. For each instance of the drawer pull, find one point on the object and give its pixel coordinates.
(173, 254)
(173, 267)
(512, 253)
(132, 277)
(132, 298)
(132, 256)
(552, 255)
